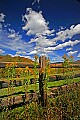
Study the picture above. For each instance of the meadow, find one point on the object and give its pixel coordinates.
(40, 93)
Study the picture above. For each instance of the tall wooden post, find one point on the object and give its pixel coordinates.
(42, 75)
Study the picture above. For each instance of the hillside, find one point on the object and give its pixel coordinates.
(8, 58)
(59, 64)
(78, 61)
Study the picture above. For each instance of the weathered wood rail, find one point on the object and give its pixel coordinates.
(22, 99)
(55, 91)
(12, 100)
(23, 65)
(9, 101)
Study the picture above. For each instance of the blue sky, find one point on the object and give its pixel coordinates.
(42, 27)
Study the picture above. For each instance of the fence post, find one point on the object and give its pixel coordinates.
(42, 75)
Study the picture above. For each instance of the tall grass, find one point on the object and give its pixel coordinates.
(42, 103)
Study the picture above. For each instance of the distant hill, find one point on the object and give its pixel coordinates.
(23, 62)
(8, 58)
(59, 64)
(78, 61)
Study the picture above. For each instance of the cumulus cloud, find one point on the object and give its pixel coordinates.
(45, 40)
(42, 41)
(78, 55)
(35, 23)
(72, 52)
(61, 46)
(67, 33)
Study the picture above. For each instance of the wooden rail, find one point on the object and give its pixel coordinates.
(22, 99)
(23, 65)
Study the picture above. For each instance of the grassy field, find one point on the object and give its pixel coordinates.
(4, 91)
(63, 107)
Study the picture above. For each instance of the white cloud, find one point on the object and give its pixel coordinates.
(2, 51)
(61, 46)
(1, 20)
(68, 33)
(13, 35)
(14, 43)
(35, 23)
(28, 57)
(11, 55)
(21, 52)
(72, 52)
(78, 55)
(42, 41)
(12, 40)
(2, 17)
(20, 56)
(33, 52)
(68, 49)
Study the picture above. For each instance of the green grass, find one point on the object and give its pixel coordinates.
(67, 73)
(64, 106)
(37, 76)
(18, 79)
(63, 82)
(4, 91)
